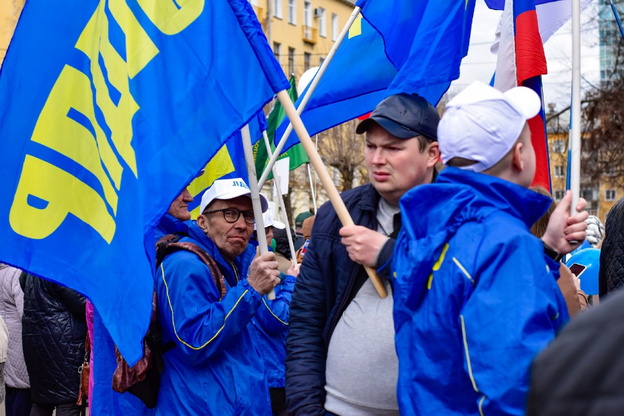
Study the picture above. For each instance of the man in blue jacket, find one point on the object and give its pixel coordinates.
(476, 298)
(215, 368)
(341, 337)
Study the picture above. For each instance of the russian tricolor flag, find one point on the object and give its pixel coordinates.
(525, 25)
(521, 61)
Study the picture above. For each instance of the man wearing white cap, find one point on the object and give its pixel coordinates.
(476, 294)
(215, 367)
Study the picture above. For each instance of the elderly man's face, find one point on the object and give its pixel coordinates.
(230, 238)
(179, 207)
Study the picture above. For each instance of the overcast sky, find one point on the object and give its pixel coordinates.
(480, 62)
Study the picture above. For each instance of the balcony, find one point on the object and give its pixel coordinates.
(310, 34)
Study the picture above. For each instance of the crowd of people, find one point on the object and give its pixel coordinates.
(469, 257)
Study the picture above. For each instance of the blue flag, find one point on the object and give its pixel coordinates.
(104, 119)
(399, 46)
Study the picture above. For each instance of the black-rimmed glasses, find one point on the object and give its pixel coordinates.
(232, 215)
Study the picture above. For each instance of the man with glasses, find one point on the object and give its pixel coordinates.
(215, 367)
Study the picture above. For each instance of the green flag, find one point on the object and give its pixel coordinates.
(296, 153)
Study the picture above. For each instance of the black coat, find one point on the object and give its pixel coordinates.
(54, 329)
(582, 371)
(611, 273)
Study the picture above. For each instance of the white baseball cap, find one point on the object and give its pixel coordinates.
(268, 219)
(228, 189)
(482, 123)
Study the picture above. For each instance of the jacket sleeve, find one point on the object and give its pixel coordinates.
(385, 259)
(73, 301)
(305, 349)
(198, 322)
(513, 313)
(274, 315)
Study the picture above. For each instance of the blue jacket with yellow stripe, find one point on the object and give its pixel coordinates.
(475, 299)
(215, 367)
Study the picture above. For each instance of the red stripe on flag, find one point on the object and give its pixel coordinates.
(530, 58)
(542, 167)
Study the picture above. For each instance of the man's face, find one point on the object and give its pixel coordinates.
(230, 238)
(179, 206)
(397, 165)
(269, 234)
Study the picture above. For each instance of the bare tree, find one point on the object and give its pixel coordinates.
(342, 149)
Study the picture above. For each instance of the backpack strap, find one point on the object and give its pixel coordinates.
(217, 276)
(161, 246)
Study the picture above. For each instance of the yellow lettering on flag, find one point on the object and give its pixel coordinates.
(356, 27)
(169, 17)
(62, 194)
(220, 165)
(55, 130)
(94, 41)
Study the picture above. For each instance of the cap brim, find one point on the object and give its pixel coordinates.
(279, 225)
(388, 125)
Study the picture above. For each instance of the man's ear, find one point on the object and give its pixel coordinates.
(433, 154)
(202, 222)
(517, 162)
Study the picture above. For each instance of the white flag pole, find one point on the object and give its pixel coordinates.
(306, 97)
(323, 174)
(575, 129)
(255, 195)
(278, 189)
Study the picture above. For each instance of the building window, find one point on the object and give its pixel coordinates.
(559, 146)
(306, 61)
(610, 171)
(610, 195)
(559, 172)
(277, 8)
(320, 13)
(587, 194)
(321, 60)
(292, 12)
(559, 195)
(335, 28)
(254, 2)
(291, 61)
(307, 13)
(277, 50)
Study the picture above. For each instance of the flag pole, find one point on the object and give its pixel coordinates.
(255, 194)
(323, 174)
(575, 123)
(278, 188)
(312, 190)
(306, 97)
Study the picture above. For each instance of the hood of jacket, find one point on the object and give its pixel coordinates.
(432, 213)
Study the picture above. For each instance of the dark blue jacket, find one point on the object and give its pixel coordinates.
(322, 292)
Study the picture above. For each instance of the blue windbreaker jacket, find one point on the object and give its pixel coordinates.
(475, 299)
(215, 367)
(270, 334)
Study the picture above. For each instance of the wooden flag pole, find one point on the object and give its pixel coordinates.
(255, 195)
(306, 97)
(323, 174)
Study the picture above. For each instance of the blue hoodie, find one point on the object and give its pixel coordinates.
(475, 299)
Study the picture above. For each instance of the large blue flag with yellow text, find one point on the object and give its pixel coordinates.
(108, 109)
(399, 46)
